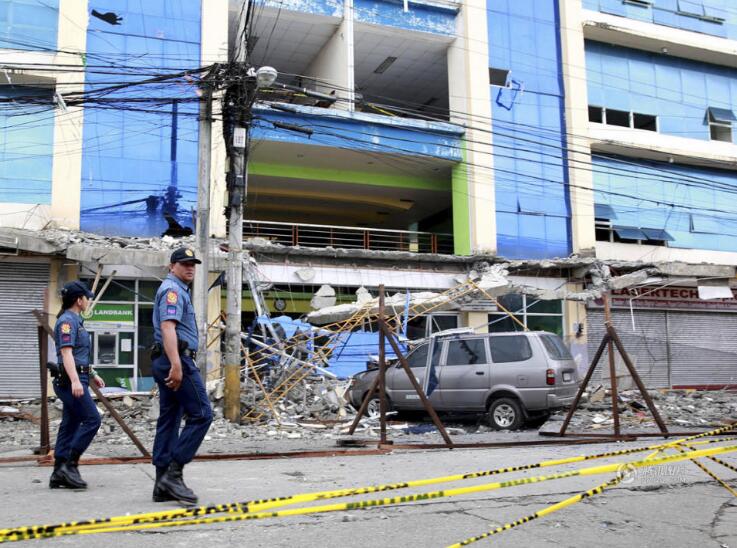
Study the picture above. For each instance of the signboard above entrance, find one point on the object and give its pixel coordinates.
(672, 298)
(111, 316)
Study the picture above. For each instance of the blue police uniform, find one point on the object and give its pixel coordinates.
(80, 419)
(173, 302)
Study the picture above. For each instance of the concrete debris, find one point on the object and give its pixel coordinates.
(314, 398)
(679, 408)
(324, 297)
(493, 281)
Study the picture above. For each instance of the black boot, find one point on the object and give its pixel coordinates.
(65, 475)
(160, 495)
(56, 481)
(73, 466)
(172, 484)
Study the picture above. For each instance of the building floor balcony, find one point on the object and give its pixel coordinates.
(347, 237)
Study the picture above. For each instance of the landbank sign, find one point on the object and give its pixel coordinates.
(111, 315)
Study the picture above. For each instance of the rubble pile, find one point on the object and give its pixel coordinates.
(679, 408)
(313, 398)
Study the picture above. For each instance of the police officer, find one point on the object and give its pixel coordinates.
(80, 419)
(181, 390)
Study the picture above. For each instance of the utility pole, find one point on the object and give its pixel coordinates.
(201, 282)
(239, 99)
(236, 181)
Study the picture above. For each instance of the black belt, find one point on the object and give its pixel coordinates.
(187, 353)
(56, 369)
(157, 350)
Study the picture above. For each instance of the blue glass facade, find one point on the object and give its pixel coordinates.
(29, 24)
(697, 206)
(678, 91)
(532, 205)
(715, 17)
(419, 17)
(26, 147)
(140, 158)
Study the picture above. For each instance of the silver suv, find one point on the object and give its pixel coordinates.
(513, 377)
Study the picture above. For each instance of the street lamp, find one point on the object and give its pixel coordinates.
(265, 77)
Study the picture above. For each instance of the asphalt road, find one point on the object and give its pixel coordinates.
(674, 505)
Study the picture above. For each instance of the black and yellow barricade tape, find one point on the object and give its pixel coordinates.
(714, 459)
(708, 472)
(541, 513)
(265, 504)
(621, 474)
(594, 470)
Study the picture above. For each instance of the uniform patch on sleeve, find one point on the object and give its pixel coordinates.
(66, 338)
(171, 310)
(66, 328)
(172, 297)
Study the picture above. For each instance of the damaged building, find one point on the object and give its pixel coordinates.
(435, 145)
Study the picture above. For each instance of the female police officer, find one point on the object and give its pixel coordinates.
(80, 419)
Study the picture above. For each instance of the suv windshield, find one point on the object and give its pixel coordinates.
(555, 347)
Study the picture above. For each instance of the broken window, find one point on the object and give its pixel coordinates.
(720, 123)
(596, 115)
(644, 121)
(498, 77)
(418, 358)
(622, 118)
(617, 118)
(466, 352)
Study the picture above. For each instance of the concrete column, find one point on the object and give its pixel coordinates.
(334, 64)
(66, 176)
(577, 124)
(477, 320)
(574, 315)
(474, 202)
(214, 307)
(214, 49)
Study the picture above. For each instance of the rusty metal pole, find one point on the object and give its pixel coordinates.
(364, 406)
(612, 367)
(584, 384)
(411, 376)
(638, 381)
(382, 368)
(43, 355)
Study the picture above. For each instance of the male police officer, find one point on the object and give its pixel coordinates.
(181, 390)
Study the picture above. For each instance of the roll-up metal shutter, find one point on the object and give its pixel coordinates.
(703, 348)
(22, 287)
(647, 345)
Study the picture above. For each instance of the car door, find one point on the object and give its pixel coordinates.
(465, 374)
(401, 391)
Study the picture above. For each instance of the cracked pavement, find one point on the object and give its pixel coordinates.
(676, 505)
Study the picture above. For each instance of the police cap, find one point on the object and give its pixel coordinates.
(184, 255)
(76, 289)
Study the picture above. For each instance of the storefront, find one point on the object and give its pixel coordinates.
(121, 332)
(674, 338)
(534, 314)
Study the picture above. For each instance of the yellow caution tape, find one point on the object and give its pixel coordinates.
(553, 507)
(265, 504)
(708, 472)
(541, 513)
(603, 469)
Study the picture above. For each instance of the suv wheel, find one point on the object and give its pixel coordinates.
(505, 414)
(373, 411)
